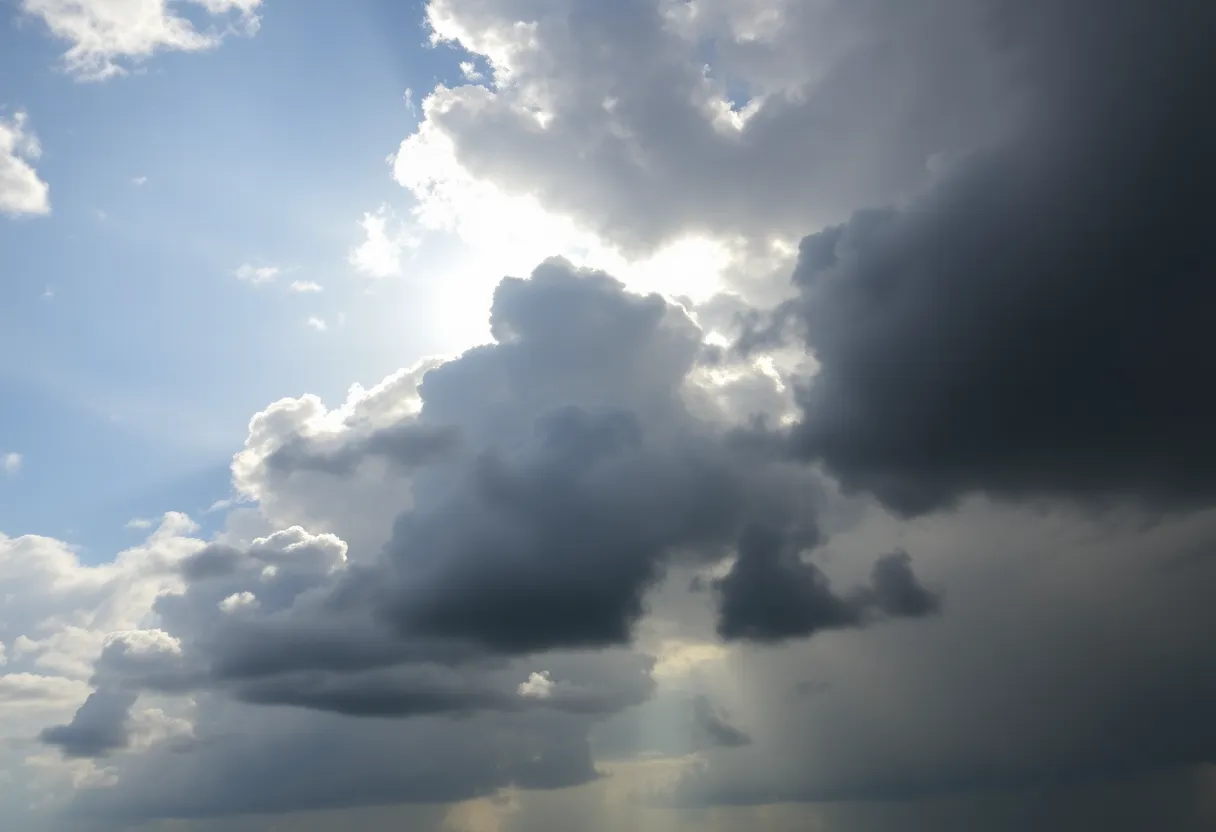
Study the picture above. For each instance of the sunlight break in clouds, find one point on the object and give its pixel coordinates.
(108, 37)
(21, 191)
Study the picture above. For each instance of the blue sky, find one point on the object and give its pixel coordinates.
(131, 358)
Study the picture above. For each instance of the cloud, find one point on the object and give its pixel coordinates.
(139, 181)
(21, 191)
(317, 324)
(538, 686)
(1033, 322)
(646, 122)
(380, 254)
(304, 286)
(256, 275)
(771, 593)
(108, 39)
(10, 463)
(542, 485)
(101, 726)
(713, 729)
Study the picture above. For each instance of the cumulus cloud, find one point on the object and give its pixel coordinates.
(22, 192)
(772, 593)
(1034, 321)
(554, 474)
(489, 555)
(646, 121)
(108, 38)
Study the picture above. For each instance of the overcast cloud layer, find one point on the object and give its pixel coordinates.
(926, 545)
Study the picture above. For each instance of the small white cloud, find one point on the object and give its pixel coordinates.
(256, 274)
(318, 323)
(10, 463)
(409, 102)
(239, 601)
(48, 293)
(106, 37)
(469, 70)
(538, 686)
(21, 191)
(305, 286)
(139, 181)
(380, 254)
(138, 523)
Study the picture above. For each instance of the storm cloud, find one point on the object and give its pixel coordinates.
(1036, 322)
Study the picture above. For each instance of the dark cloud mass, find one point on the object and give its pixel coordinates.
(1038, 321)
(772, 593)
(100, 726)
(582, 473)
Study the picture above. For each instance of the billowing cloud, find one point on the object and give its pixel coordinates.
(605, 542)
(1035, 321)
(108, 38)
(651, 120)
(22, 192)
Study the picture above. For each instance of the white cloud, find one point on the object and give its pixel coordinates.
(317, 323)
(108, 37)
(138, 523)
(538, 686)
(21, 191)
(10, 463)
(256, 274)
(238, 601)
(139, 181)
(379, 255)
(469, 70)
(305, 286)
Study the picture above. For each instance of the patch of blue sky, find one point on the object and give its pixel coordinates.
(131, 357)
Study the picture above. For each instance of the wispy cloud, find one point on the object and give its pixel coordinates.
(379, 255)
(256, 274)
(108, 38)
(10, 463)
(305, 286)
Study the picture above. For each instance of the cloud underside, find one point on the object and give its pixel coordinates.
(958, 553)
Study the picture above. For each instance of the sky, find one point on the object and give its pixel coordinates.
(533, 415)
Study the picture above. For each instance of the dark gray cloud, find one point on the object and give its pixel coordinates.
(1074, 651)
(583, 473)
(772, 593)
(100, 727)
(406, 445)
(1038, 321)
(712, 728)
